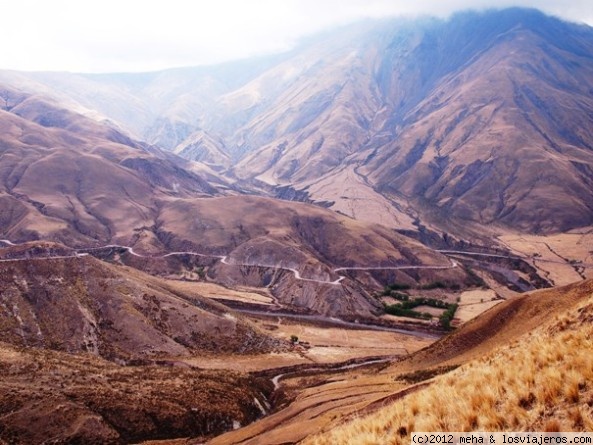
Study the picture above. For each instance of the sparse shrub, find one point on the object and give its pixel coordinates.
(400, 311)
(390, 288)
(447, 316)
(474, 279)
(399, 286)
(434, 285)
(407, 306)
(400, 296)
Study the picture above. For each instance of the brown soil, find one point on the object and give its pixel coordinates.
(84, 399)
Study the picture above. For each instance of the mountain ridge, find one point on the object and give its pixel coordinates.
(424, 116)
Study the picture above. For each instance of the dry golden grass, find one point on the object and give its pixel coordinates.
(540, 382)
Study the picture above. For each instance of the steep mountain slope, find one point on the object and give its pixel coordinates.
(485, 117)
(504, 130)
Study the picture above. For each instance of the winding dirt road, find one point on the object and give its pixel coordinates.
(512, 257)
(81, 252)
(337, 322)
(373, 361)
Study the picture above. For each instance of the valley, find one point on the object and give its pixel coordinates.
(119, 310)
(319, 246)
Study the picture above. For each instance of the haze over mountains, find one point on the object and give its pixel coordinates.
(415, 165)
(483, 117)
(68, 178)
(472, 126)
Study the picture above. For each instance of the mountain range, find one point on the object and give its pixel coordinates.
(481, 120)
(369, 181)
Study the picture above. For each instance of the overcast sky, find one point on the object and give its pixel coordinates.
(132, 35)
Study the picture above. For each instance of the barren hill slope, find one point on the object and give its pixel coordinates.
(52, 298)
(484, 117)
(504, 135)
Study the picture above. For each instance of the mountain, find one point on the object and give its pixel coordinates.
(484, 118)
(479, 121)
(69, 178)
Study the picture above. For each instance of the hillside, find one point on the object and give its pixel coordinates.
(53, 298)
(539, 381)
(66, 398)
(93, 353)
(69, 178)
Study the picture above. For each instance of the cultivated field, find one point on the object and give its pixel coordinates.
(563, 258)
(473, 302)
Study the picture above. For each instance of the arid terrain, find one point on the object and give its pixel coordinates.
(548, 332)
(387, 228)
(84, 340)
(534, 378)
(471, 124)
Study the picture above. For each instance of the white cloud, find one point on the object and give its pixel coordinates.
(132, 35)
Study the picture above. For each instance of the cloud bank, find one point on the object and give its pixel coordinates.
(131, 35)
